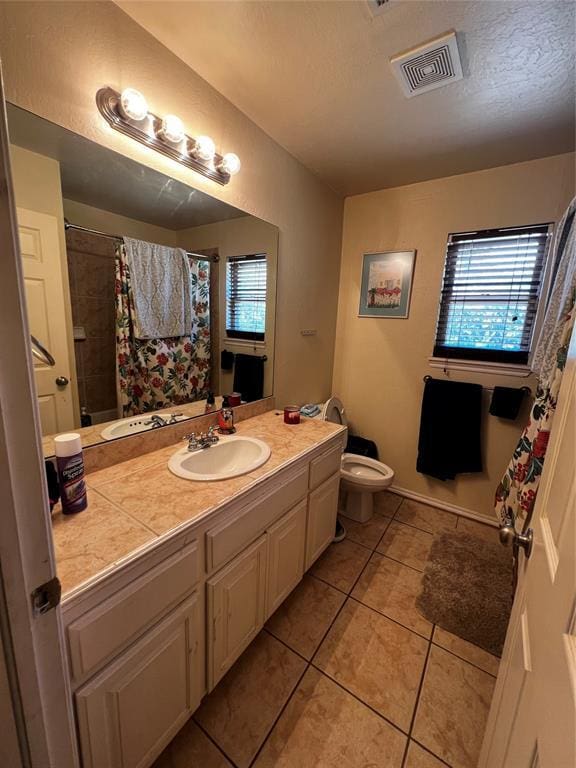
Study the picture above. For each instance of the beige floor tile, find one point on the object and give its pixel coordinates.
(323, 727)
(420, 758)
(409, 545)
(189, 748)
(368, 534)
(377, 660)
(392, 589)
(424, 517)
(467, 651)
(486, 532)
(341, 564)
(304, 617)
(386, 503)
(453, 709)
(242, 708)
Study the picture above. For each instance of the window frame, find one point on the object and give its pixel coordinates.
(239, 335)
(505, 362)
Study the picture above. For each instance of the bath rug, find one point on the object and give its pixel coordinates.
(468, 589)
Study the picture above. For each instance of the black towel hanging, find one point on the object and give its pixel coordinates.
(450, 428)
(506, 402)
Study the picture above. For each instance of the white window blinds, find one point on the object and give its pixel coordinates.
(246, 297)
(490, 294)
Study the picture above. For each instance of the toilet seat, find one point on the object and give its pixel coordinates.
(333, 410)
(368, 474)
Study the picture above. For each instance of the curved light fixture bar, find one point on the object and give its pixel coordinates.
(150, 131)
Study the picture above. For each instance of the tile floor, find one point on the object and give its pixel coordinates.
(347, 673)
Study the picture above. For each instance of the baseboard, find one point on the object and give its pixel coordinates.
(432, 502)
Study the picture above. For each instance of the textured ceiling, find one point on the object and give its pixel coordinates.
(316, 77)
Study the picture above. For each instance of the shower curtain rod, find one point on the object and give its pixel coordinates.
(69, 225)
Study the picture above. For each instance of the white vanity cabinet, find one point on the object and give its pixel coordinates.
(148, 641)
(236, 603)
(129, 712)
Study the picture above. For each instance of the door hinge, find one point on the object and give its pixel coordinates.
(46, 596)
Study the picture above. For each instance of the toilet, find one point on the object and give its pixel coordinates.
(360, 476)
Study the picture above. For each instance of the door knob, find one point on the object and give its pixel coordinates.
(62, 381)
(525, 541)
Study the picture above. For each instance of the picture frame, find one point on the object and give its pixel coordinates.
(386, 284)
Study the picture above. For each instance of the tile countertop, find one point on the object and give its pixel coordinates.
(134, 503)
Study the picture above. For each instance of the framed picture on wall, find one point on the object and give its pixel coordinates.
(386, 284)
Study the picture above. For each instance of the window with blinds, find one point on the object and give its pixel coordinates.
(246, 297)
(489, 301)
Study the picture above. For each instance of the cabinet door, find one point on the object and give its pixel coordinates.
(133, 709)
(286, 545)
(322, 511)
(236, 606)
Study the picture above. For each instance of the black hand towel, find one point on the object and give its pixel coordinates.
(450, 422)
(226, 360)
(506, 402)
(249, 377)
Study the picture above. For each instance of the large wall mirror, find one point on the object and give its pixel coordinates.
(147, 293)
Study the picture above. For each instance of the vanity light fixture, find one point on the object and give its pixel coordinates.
(128, 113)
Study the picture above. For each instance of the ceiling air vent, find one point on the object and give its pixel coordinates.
(431, 65)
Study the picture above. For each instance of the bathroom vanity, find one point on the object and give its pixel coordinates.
(166, 580)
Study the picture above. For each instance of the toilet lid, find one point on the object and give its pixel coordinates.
(334, 411)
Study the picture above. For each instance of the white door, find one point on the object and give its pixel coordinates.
(532, 721)
(43, 275)
(32, 641)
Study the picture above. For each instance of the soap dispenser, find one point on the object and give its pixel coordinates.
(226, 418)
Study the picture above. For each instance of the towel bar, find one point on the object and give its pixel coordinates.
(527, 390)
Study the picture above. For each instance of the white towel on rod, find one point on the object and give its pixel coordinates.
(161, 286)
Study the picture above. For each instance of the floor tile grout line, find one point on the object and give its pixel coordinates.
(358, 699)
(394, 621)
(285, 644)
(289, 699)
(429, 751)
(400, 562)
(417, 700)
(211, 739)
(466, 661)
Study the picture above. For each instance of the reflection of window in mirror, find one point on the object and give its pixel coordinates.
(246, 297)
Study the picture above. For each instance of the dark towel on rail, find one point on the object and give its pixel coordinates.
(450, 423)
(249, 376)
(506, 402)
(226, 360)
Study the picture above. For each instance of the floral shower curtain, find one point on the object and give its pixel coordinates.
(517, 491)
(156, 373)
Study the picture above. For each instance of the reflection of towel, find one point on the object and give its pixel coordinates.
(161, 287)
(249, 377)
(506, 402)
(226, 360)
(449, 440)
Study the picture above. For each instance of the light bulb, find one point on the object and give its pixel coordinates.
(204, 148)
(230, 164)
(172, 129)
(133, 105)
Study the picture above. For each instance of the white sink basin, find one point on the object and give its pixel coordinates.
(132, 425)
(230, 457)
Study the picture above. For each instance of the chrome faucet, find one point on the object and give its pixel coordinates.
(156, 421)
(205, 440)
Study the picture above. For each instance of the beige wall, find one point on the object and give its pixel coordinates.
(379, 364)
(114, 224)
(37, 187)
(241, 237)
(55, 57)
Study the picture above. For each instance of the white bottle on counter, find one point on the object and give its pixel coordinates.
(70, 463)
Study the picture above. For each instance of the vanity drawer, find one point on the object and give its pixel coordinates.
(231, 536)
(100, 634)
(325, 465)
